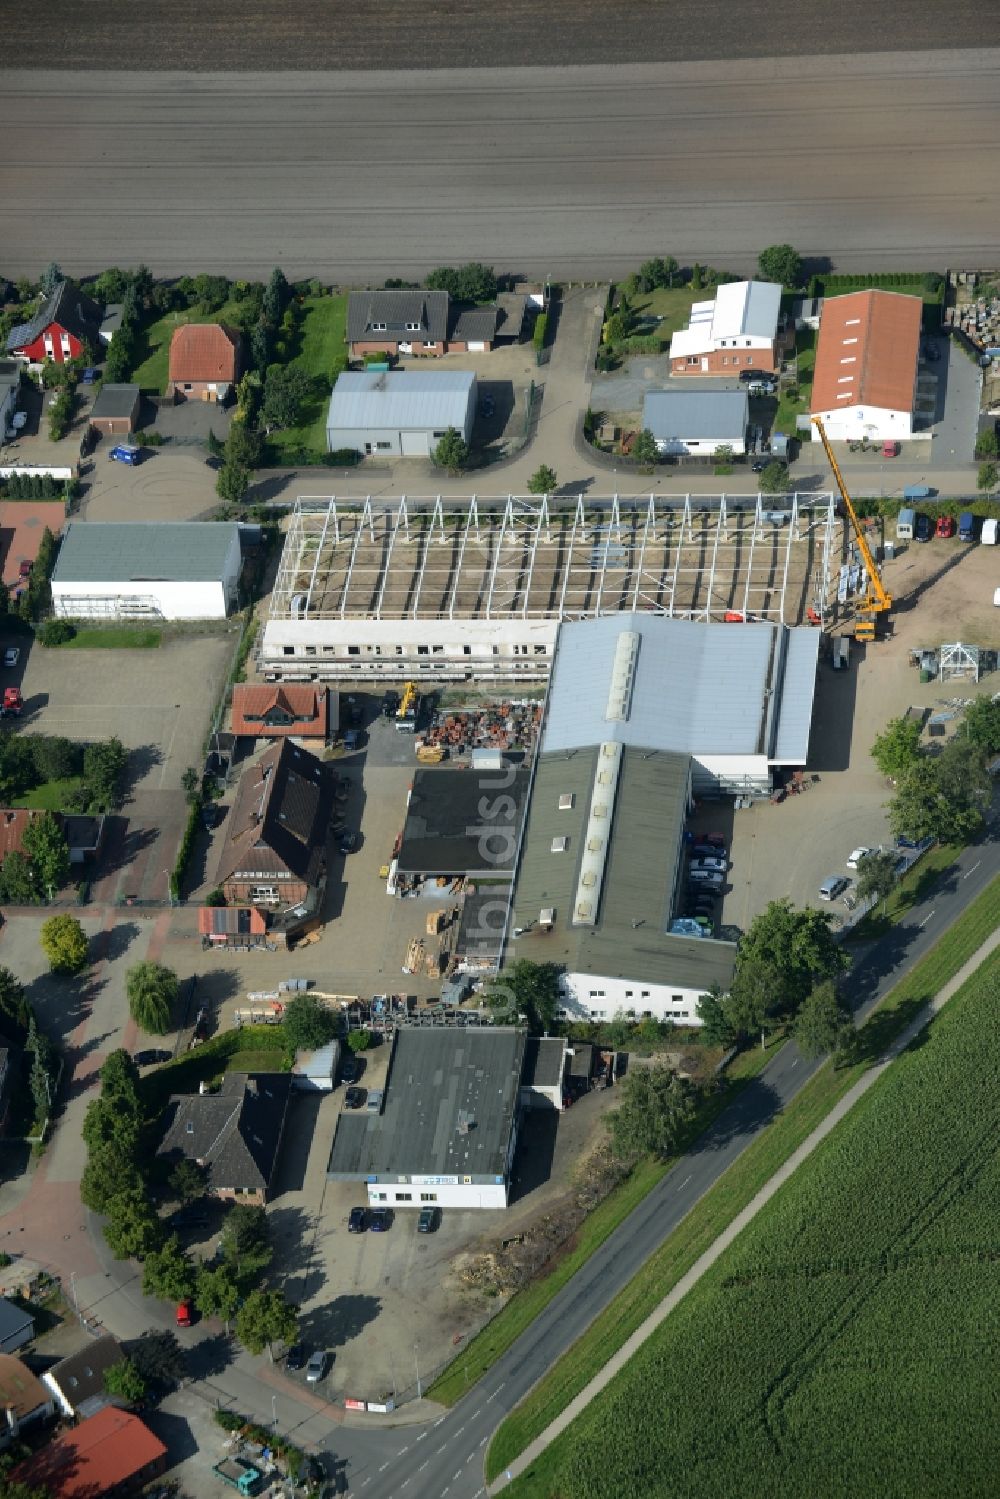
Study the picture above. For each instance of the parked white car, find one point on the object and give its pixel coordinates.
(859, 856)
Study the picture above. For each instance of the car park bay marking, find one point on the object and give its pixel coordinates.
(972, 870)
(927, 918)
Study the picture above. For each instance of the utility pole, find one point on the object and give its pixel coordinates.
(416, 1365)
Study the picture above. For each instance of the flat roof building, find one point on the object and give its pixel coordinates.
(463, 822)
(156, 570)
(399, 413)
(447, 1129)
(695, 423)
(736, 330)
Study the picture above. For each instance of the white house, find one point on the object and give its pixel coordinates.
(737, 330)
(867, 357)
(696, 423)
(399, 413)
(156, 570)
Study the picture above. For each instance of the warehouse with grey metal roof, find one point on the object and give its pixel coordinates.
(697, 421)
(147, 569)
(399, 412)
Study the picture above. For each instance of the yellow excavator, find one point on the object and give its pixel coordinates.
(875, 601)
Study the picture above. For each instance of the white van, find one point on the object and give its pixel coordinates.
(988, 535)
(905, 521)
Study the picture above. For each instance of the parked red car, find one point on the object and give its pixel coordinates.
(945, 527)
(184, 1314)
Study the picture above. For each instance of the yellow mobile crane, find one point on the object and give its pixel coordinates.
(876, 601)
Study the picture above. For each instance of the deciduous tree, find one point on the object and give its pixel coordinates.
(877, 876)
(217, 1292)
(64, 943)
(104, 765)
(897, 748)
(981, 724)
(286, 387)
(531, 990)
(245, 1243)
(308, 1023)
(823, 1023)
(168, 1272)
(781, 263)
(159, 1358)
(656, 1106)
(188, 1181)
(47, 852)
(988, 477)
(645, 451)
(452, 451)
(774, 478)
(125, 1380)
(133, 1230)
(943, 798)
(266, 1318)
(716, 1027)
(152, 993)
(543, 480)
(783, 955)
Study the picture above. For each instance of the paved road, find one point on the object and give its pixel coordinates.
(873, 160)
(369, 34)
(446, 1459)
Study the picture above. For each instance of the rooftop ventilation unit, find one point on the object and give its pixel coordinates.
(595, 842)
(547, 917)
(566, 801)
(622, 677)
(559, 845)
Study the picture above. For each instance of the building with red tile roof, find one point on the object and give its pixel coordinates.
(204, 362)
(110, 1453)
(865, 376)
(273, 710)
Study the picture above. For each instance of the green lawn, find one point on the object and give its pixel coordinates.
(259, 1061)
(151, 374)
(487, 1346)
(320, 350)
(788, 409)
(844, 1344)
(205, 1063)
(672, 304)
(52, 796)
(731, 1193)
(115, 638)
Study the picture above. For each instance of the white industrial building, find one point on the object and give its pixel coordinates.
(446, 1131)
(147, 570)
(867, 364)
(475, 588)
(735, 331)
(643, 715)
(696, 423)
(399, 413)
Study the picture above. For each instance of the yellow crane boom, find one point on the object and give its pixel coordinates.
(877, 601)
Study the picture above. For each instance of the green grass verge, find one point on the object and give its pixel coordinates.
(115, 638)
(51, 796)
(204, 1063)
(151, 373)
(912, 888)
(508, 1325)
(789, 409)
(745, 1177)
(856, 1310)
(320, 350)
(672, 304)
(259, 1061)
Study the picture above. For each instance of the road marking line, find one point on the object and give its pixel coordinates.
(484, 1441)
(421, 1436)
(972, 870)
(383, 1467)
(495, 1393)
(794, 1062)
(683, 1184)
(402, 1450)
(456, 1476)
(458, 1433)
(404, 1483)
(424, 1465)
(439, 1420)
(927, 918)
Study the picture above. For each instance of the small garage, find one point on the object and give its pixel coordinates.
(116, 410)
(399, 413)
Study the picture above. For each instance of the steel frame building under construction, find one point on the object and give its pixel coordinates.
(476, 587)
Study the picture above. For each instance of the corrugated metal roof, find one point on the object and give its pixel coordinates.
(699, 688)
(798, 688)
(719, 414)
(144, 551)
(747, 307)
(629, 938)
(401, 399)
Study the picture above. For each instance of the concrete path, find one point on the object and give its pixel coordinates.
(763, 1197)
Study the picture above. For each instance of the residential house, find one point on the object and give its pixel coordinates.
(14, 822)
(115, 413)
(275, 849)
(77, 1382)
(401, 413)
(737, 330)
(696, 423)
(867, 357)
(84, 835)
(419, 323)
(23, 1399)
(204, 362)
(17, 1326)
(66, 325)
(110, 1454)
(272, 711)
(235, 1134)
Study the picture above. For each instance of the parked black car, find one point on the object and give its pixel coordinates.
(354, 1098)
(923, 529)
(295, 1358)
(357, 1221)
(348, 843)
(390, 703)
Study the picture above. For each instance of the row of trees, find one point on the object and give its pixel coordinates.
(19, 1022)
(30, 760)
(114, 1184)
(940, 795)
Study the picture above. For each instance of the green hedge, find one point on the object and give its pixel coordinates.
(203, 1063)
(185, 850)
(541, 329)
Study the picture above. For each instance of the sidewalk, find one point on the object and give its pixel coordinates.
(763, 1197)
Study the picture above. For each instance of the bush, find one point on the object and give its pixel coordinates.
(185, 850)
(344, 457)
(540, 330)
(358, 1041)
(56, 632)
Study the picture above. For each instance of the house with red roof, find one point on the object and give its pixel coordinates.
(204, 362)
(111, 1453)
(66, 325)
(867, 359)
(289, 710)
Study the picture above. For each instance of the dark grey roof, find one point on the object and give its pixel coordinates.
(629, 938)
(144, 551)
(446, 831)
(471, 324)
(82, 832)
(450, 1106)
(580, 1061)
(115, 400)
(511, 307)
(68, 306)
(112, 319)
(428, 309)
(81, 1375)
(13, 1319)
(281, 816)
(235, 1132)
(481, 924)
(543, 1061)
(721, 415)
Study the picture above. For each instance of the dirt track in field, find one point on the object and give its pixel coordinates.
(251, 35)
